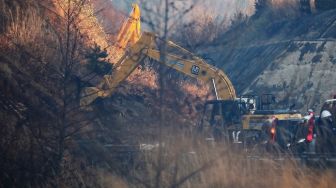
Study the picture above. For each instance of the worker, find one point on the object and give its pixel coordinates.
(326, 118)
(310, 119)
(326, 115)
(311, 135)
(310, 114)
(326, 130)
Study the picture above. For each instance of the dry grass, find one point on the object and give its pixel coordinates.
(184, 160)
(199, 90)
(25, 29)
(107, 179)
(144, 77)
(87, 22)
(191, 162)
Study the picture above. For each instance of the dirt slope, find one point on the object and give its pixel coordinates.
(294, 59)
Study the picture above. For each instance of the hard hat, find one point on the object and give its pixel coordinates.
(311, 112)
(325, 113)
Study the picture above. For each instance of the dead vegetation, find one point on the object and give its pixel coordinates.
(45, 45)
(185, 160)
(47, 141)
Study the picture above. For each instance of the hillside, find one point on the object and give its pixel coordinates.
(49, 50)
(291, 58)
(143, 135)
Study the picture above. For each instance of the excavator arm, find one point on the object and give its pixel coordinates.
(194, 67)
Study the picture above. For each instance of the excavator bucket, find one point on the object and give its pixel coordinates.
(130, 31)
(137, 31)
(129, 34)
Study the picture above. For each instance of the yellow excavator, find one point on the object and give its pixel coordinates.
(227, 111)
(187, 63)
(144, 46)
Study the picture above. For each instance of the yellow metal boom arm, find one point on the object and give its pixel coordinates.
(194, 67)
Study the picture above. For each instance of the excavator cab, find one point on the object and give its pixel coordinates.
(223, 117)
(230, 111)
(233, 116)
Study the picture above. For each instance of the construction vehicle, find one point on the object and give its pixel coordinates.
(145, 45)
(181, 60)
(249, 120)
(265, 119)
(226, 102)
(177, 58)
(229, 114)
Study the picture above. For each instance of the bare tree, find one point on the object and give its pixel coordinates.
(47, 46)
(162, 17)
(72, 35)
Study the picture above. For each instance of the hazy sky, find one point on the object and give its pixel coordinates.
(218, 7)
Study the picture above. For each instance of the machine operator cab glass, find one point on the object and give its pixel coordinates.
(225, 113)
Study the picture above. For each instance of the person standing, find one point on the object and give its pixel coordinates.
(326, 130)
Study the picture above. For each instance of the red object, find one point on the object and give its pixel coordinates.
(273, 130)
(310, 134)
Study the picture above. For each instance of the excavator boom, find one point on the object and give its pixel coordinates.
(194, 67)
